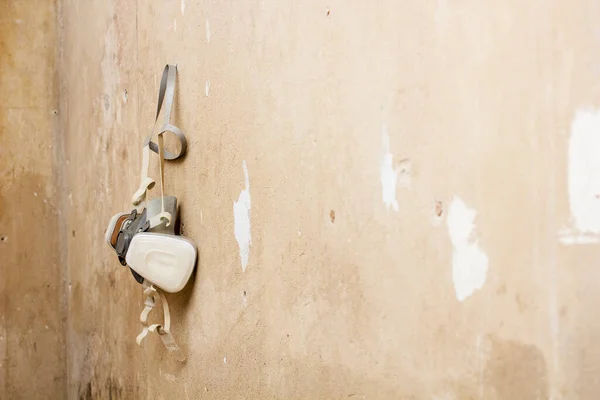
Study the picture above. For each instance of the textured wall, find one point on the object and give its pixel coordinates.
(418, 225)
(32, 347)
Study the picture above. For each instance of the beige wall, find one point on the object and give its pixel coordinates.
(32, 345)
(461, 282)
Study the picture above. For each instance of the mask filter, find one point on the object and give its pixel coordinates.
(165, 260)
(159, 256)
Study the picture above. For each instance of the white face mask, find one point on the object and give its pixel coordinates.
(145, 240)
(154, 254)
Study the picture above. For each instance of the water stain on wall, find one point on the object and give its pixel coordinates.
(515, 370)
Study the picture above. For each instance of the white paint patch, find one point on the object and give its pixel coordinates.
(567, 237)
(182, 7)
(469, 262)
(224, 360)
(207, 32)
(241, 214)
(584, 179)
(389, 175)
(207, 88)
(175, 24)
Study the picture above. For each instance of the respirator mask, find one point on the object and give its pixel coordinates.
(144, 238)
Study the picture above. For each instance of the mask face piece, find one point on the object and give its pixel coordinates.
(113, 229)
(160, 257)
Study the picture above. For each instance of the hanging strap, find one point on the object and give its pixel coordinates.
(163, 331)
(165, 96)
(146, 183)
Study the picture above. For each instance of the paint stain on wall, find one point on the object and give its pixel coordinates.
(207, 88)
(388, 174)
(469, 262)
(241, 214)
(438, 209)
(182, 6)
(437, 213)
(584, 179)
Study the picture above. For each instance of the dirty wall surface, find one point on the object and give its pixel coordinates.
(420, 181)
(32, 306)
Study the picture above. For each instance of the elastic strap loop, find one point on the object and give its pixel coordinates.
(163, 330)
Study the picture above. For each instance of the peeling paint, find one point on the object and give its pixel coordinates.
(241, 213)
(469, 262)
(583, 179)
(389, 175)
